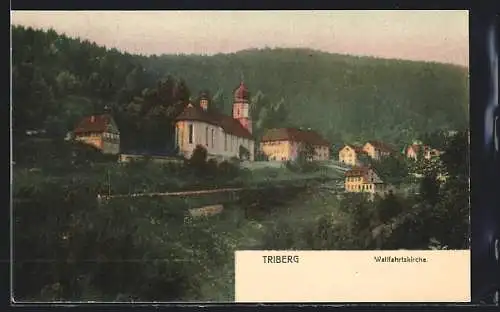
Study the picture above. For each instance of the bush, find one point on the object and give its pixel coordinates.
(199, 156)
(244, 153)
(228, 169)
(303, 166)
(164, 258)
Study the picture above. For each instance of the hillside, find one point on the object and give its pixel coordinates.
(346, 98)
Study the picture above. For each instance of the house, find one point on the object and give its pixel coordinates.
(349, 155)
(361, 179)
(414, 151)
(223, 136)
(100, 131)
(377, 150)
(285, 144)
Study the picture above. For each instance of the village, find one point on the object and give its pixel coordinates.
(230, 137)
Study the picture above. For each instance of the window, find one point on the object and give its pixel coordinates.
(206, 136)
(191, 134)
(213, 138)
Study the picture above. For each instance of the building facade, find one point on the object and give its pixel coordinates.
(365, 180)
(415, 151)
(349, 155)
(286, 144)
(99, 131)
(223, 137)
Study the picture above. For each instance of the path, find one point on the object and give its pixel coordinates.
(181, 193)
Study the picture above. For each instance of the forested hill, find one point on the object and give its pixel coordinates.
(56, 80)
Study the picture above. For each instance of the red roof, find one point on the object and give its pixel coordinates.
(296, 135)
(362, 172)
(382, 146)
(357, 171)
(417, 147)
(241, 93)
(95, 123)
(227, 123)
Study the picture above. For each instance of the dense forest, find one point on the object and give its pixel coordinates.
(57, 80)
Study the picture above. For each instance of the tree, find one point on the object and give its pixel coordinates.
(360, 219)
(388, 207)
(429, 188)
(456, 156)
(364, 159)
(33, 99)
(392, 169)
(244, 153)
(435, 139)
(217, 102)
(198, 160)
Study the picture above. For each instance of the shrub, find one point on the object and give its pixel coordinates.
(244, 153)
(198, 160)
(228, 169)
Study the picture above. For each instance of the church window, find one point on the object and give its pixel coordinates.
(206, 136)
(213, 138)
(191, 134)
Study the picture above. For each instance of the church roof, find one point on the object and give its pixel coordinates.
(227, 123)
(241, 92)
(204, 95)
(296, 135)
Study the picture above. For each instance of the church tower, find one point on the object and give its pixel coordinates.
(204, 100)
(241, 111)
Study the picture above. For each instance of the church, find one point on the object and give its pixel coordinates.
(224, 137)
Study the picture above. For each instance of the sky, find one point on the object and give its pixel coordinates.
(436, 36)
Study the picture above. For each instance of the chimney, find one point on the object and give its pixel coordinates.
(92, 118)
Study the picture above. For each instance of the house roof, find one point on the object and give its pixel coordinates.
(414, 147)
(381, 146)
(293, 134)
(426, 148)
(357, 149)
(94, 123)
(358, 171)
(227, 123)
